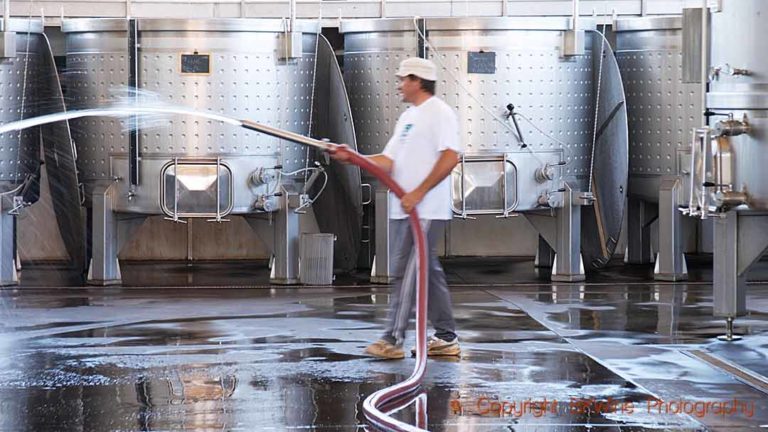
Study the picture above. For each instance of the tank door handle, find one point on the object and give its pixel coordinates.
(363, 187)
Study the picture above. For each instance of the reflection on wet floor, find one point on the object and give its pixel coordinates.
(553, 357)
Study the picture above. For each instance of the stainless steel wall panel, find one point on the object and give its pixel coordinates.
(662, 109)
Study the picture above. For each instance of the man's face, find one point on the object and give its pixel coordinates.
(409, 87)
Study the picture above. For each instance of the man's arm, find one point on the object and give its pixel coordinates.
(381, 160)
(443, 167)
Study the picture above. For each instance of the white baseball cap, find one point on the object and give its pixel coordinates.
(419, 67)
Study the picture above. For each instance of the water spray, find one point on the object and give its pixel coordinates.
(374, 405)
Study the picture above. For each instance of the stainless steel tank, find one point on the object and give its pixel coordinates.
(663, 107)
(657, 58)
(484, 65)
(737, 92)
(729, 181)
(30, 88)
(22, 76)
(186, 166)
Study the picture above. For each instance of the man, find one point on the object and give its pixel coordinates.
(421, 154)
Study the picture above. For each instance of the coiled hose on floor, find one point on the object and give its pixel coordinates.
(374, 405)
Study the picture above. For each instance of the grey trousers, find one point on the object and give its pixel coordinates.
(402, 298)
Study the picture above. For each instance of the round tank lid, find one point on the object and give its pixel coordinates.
(23, 25)
(648, 23)
(202, 25)
(463, 23)
(601, 223)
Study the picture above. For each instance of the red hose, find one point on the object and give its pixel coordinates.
(373, 403)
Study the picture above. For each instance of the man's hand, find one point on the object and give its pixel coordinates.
(410, 200)
(340, 156)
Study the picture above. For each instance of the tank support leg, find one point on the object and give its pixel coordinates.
(670, 261)
(568, 266)
(640, 215)
(563, 231)
(104, 269)
(740, 241)
(545, 255)
(8, 274)
(285, 268)
(380, 271)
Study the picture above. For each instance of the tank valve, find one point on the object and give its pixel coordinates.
(587, 198)
(262, 176)
(543, 200)
(715, 72)
(732, 71)
(733, 127)
(544, 174)
(547, 172)
(552, 199)
(265, 203)
(729, 199)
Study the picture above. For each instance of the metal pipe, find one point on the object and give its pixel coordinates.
(290, 136)
(463, 188)
(292, 6)
(691, 192)
(706, 145)
(6, 14)
(504, 184)
(575, 14)
(175, 189)
(218, 189)
(134, 148)
(704, 60)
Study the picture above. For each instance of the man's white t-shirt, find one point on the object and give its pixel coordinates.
(421, 134)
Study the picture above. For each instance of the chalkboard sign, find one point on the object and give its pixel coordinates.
(195, 63)
(481, 62)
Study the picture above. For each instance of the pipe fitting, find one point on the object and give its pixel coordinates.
(733, 127)
(729, 199)
(544, 174)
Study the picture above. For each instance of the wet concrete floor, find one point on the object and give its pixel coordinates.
(213, 347)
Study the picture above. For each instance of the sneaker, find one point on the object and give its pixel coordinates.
(385, 350)
(437, 347)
